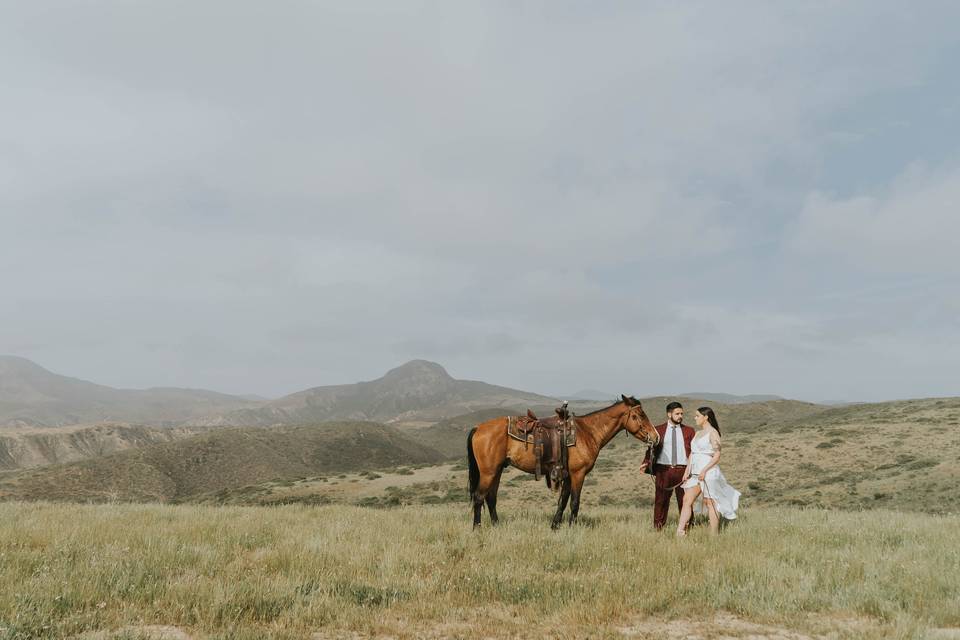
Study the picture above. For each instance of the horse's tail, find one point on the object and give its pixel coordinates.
(472, 463)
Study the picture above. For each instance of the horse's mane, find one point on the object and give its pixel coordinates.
(585, 415)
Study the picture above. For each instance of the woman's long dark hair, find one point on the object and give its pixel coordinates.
(711, 417)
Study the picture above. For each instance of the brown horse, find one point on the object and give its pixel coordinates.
(490, 449)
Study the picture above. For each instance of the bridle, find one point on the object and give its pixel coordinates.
(632, 413)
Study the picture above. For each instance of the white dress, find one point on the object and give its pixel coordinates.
(714, 486)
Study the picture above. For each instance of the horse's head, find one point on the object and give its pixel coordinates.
(635, 421)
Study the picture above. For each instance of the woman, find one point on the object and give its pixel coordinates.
(704, 476)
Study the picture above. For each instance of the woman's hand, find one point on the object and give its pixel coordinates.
(686, 475)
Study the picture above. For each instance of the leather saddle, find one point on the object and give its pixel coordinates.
(549, 438)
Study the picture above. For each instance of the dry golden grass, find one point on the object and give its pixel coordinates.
(103, 571)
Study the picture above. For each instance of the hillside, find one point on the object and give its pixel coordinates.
(24, 448)
(33, 396)
(220, 459)
(448, 436)
(418, 391)
(779, 452)
(729, 398)
(896, 455)
(224, 463)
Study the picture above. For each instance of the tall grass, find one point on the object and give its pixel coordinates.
(288, 572)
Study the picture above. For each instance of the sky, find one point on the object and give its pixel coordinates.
(638, 197)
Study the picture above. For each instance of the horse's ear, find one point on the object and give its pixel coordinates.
(624, 399)
(629, 400)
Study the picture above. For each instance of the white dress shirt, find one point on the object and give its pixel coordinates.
(673, 431)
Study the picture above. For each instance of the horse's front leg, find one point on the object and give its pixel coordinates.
(576, 485)
(561, 503)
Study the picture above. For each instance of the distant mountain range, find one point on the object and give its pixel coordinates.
(590, 394)
(33, 396)
(725, 398)
(729, 398)
(418, 391)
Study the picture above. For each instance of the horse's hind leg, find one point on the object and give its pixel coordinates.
(486, 454)
(576, 485)
(477, 510)
(492, 496)
(561, 503)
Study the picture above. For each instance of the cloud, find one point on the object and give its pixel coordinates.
(549, 196)
(911, 226)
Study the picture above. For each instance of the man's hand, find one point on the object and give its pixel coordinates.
(643, 466)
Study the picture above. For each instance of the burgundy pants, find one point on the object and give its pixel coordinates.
(666, 477)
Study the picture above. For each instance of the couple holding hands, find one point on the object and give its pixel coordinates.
(684, 463)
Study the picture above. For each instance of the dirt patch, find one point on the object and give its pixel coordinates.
(719, 627)
(148, 632)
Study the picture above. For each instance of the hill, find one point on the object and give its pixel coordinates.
(418, 391)
(225, 464)
(220, 459)
(729, 398)
(895, 455)
(24, 448)
(33, 396)
(448, 436)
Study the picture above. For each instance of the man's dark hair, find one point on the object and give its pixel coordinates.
(674, 405)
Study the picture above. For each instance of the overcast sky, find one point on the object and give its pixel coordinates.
(644, 198)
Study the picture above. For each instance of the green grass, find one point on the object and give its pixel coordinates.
(288, 572)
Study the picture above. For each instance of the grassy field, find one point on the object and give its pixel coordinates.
(193, 571)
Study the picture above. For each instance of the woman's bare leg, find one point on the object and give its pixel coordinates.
(689, 496)
(714, 516)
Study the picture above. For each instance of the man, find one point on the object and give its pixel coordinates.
(669, 462)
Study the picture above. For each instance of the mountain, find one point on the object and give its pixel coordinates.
(591, 394)
(33, 396)
(219, 460)
(418, 391)
(729, 398)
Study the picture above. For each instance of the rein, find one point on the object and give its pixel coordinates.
(654, 478)
(704, 494)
